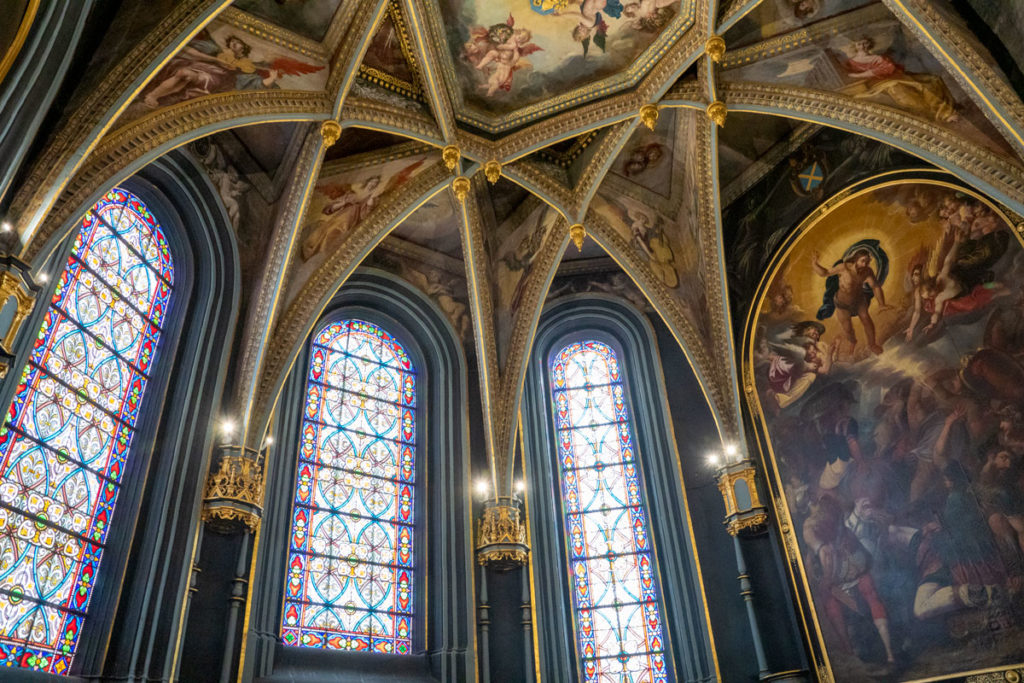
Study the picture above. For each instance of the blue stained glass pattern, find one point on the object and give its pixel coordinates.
(68, 432)
(619, 628)
(350, 563)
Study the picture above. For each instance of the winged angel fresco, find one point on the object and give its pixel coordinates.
(348, 204)
(499, 51)
(205, 66)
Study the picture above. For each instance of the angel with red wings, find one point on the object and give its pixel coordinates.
(501, 49)
(349, 204)
(204, 67)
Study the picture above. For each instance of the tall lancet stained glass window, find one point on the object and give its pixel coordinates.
(619, 630)
(67, 435)
(350, 564)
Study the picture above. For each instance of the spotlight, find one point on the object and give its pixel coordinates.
(714, 459)
(269, 440)
(520, 486)
(227, 427)
(482, 487)
(43, 277)
(5, 226)
(731, 450)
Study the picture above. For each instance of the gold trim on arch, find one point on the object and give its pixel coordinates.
(773, 480)
(19, 38)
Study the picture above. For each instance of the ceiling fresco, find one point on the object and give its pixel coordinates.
(869, 55)
(775, 17)
(309, 18)
(514, 61)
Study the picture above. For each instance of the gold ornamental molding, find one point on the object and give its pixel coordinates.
(709, 217)
(100, 107)
(429, 52)
(649, 115)
(364, 113)
(962, 56)
(1014, 674)
(744, 511)
(234, 492)
(269, 289)
(24, 26)
(122, 151)
(677, 317)
(518, 348)
(995, 174)
(501, 535)
(460, 187)
(481, 306)
(344, 68)
(305, 303)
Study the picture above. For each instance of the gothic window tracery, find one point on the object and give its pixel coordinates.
(612, 572)
(350, 576)
(68, 433)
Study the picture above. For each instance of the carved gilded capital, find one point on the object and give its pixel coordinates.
(330, 131)
(743, 508)
(714, 48)
(234, 491)
(716, 112)
(501, 535)
(15, 281)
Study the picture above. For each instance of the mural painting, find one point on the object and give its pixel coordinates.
(516, 247)
(343, 198)
(309, 18)
(442, 279)
(887, 354)
(775, 17)
(224, 58)
(874, 59)
(509, 55)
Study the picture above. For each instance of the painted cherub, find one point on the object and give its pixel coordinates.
(592, 25)
(650, 15)
(503, 48)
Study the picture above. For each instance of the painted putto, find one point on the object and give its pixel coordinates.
(887, 358)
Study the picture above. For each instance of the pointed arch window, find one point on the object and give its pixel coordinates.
(67, 435)
(612, 572)
(349, 584)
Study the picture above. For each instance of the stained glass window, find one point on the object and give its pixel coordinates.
(619, 632)
(68, 432)
(350, 563)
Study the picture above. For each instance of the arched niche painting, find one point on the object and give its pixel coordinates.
(885, 353)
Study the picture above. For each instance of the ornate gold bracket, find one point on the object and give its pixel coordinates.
(1012, 675)
(450, 155)
(492, 171)
(743, 508)
(234, 493)
(14, 281)
(330, 131)
(577, 233)
(460, 186)
(717, 111)
(715, 48)
(649, 115)
(501, 535)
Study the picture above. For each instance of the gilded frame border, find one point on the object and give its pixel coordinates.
(805, 605)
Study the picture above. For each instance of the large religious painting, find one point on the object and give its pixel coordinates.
(885, 353)
(509, 55)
